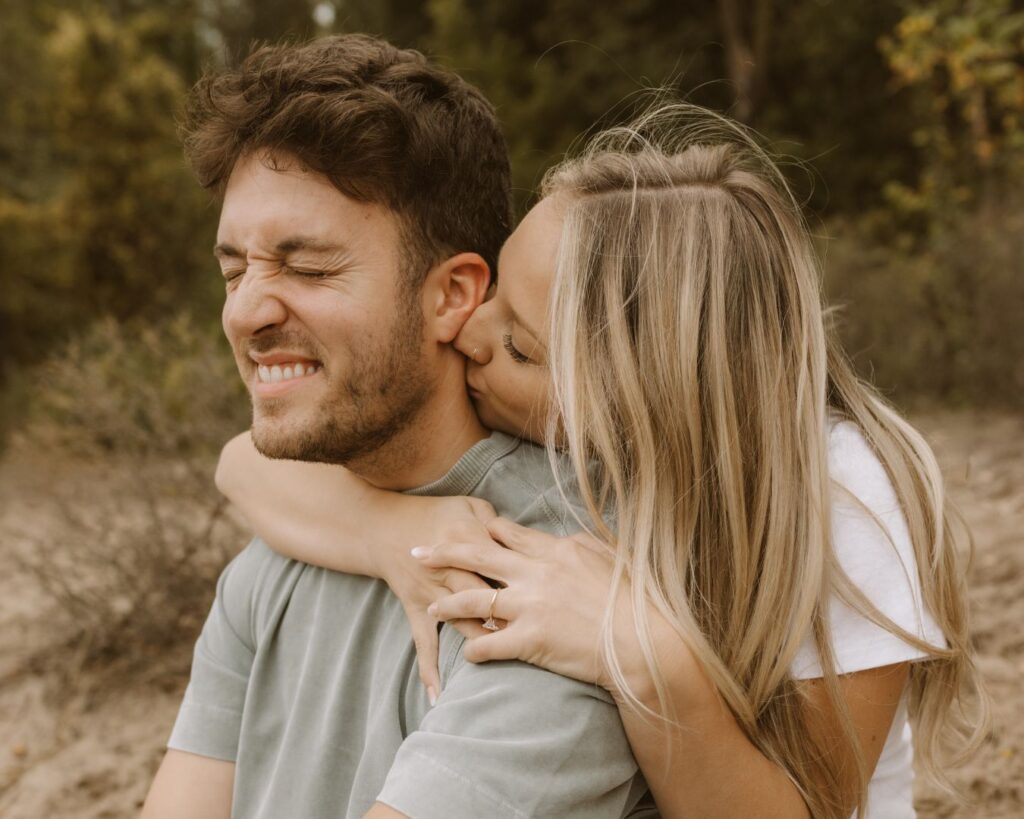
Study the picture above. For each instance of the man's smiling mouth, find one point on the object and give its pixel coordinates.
(286, 371)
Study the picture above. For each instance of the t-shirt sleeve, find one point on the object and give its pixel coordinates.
(507, 739)
(210, 717)
(873, 547)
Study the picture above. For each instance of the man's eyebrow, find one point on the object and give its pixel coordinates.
(225, 251)
(294, 243)
(290, 245)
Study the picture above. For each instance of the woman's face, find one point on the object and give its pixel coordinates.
(505, 339)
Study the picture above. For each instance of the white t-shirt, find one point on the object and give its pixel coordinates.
(885, 570)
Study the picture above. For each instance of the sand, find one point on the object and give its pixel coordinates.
(85, 744)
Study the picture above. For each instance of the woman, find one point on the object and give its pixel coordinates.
(771, 578)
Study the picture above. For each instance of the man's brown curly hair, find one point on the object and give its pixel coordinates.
(383, 124)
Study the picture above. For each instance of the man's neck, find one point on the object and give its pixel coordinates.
(444, 430)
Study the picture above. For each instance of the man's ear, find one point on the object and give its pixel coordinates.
(453, 290)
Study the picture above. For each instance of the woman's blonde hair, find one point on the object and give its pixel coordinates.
(692, 365)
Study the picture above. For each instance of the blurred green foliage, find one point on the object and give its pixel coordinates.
(904, 121)
(140, 390)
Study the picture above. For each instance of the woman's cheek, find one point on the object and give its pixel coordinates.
(533, 406)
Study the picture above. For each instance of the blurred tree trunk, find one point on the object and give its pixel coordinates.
(746, 34)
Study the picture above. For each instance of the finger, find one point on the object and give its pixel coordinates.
(497, 645)
(485, 558)
(424, 636)
(474, 604)
(456, 580)
(521, 539)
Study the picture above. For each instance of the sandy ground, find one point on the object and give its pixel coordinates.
(84, 745)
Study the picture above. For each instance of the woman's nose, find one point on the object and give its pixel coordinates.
(472, 339)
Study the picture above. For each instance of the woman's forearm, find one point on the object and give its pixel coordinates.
(317, 513)
(707, 767)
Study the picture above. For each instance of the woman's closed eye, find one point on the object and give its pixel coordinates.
(510, 348)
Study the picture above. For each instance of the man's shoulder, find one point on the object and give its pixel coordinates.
(255, 575)
(510, 725)
(255, 562)
(258, 569)
(530, 487)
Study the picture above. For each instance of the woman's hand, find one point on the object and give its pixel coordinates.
(418, 586)
(555, 592)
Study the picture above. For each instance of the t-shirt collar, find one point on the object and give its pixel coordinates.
(470, 469)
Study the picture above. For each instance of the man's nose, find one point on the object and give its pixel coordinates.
(472, 340)
(254, 306)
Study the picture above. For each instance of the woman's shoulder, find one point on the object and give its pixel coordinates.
(870, 535)
(855, 467)
(874, 549)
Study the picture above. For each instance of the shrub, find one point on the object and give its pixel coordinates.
(166, 390)
(133, 417)
(938, 321)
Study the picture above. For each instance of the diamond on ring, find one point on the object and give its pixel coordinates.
(490, 623)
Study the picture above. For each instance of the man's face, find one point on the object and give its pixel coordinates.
(325, 333)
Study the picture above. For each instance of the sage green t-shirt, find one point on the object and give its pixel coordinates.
(307, 680)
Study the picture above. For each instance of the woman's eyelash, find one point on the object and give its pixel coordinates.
(506, 340)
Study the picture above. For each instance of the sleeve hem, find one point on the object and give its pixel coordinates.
(206, 731)
(442, 795)
(866, 658)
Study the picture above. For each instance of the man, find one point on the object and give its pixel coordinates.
(365, 196)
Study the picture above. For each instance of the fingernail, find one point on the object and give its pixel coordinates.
(421, 551)
(432, 695)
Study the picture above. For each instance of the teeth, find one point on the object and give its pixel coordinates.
(277, 373)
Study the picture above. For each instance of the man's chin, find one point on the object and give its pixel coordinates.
(295, 439)
(276, 438)
(272, 446)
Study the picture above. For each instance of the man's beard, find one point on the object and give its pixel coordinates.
(381, 393)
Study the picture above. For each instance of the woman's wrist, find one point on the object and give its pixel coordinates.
(387, 523)
(415, 521)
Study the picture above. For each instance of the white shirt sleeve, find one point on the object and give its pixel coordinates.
(879, 562)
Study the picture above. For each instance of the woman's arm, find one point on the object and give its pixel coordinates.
(327, 516)
(713, 769)
(708, 767)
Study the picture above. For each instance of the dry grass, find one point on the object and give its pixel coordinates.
(129, 560)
